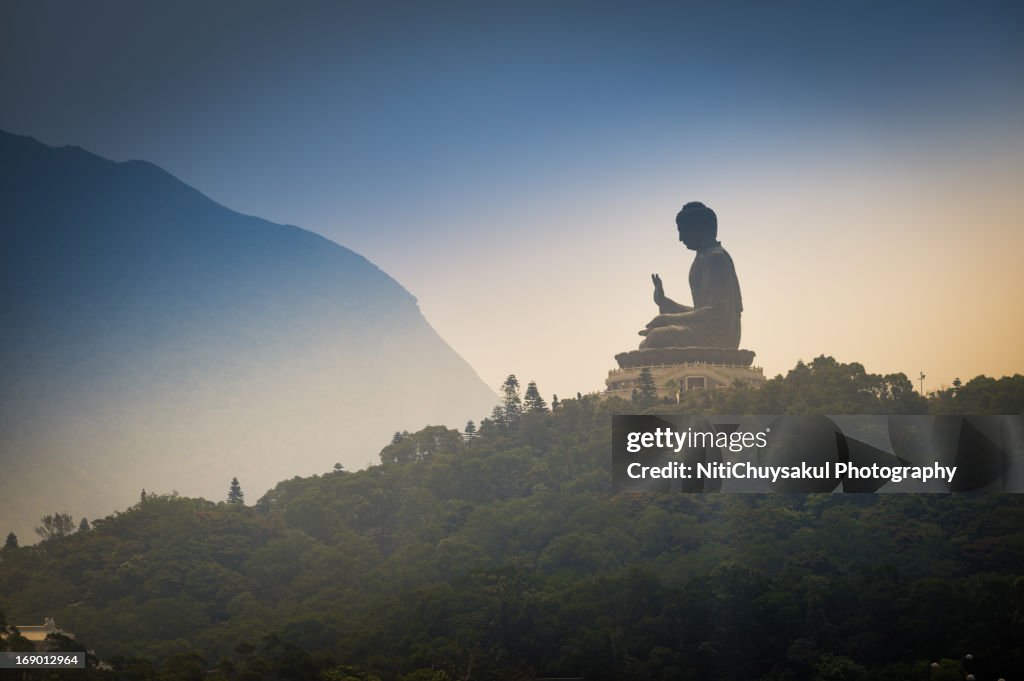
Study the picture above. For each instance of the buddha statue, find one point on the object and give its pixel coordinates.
(714, 319)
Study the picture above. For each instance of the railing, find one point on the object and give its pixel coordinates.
(614, 372)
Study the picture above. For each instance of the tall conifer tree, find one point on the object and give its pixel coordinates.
(647, 390)
(533, 403)
(235, 494)
(513, 404)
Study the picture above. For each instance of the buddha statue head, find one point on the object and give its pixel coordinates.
(698, 226)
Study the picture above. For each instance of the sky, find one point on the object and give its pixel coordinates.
(518, 166)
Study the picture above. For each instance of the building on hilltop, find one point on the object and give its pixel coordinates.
(677, 371)
(37, 633)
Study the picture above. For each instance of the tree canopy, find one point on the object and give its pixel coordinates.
(508, 555)
(55, 526)
(235, 494)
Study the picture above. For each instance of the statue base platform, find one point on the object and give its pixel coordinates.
(678, 370)
(660, 356)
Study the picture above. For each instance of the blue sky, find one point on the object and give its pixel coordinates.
(517, 166)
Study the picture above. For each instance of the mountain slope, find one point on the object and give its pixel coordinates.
(153, 338)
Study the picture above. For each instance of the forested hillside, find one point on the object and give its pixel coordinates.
(506, 556)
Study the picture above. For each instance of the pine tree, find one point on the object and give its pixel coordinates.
(235, 494)
(498, 418)
(533, 403)
(12, 541)
(396, 438)
(647, 390)
(83, 525)
(470, 431)
(513, 406)
(554, 402)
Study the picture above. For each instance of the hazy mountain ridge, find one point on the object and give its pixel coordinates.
(147, 328)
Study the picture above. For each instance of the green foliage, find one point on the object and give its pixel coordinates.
(824, 386)
(981, 395)
(55, 526)
(421, 446)
(646, 393)
(235, 494)
(496, 421)
(512, 405)
(533, 403)
(507, 556)
(11, 542)
(11, 639)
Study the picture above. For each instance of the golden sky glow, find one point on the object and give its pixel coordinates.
(905, 262)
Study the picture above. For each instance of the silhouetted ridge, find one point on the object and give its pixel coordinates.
(149, 329)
